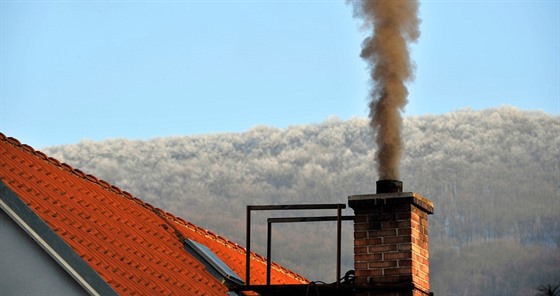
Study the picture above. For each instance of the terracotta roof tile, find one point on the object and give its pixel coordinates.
(125, 240)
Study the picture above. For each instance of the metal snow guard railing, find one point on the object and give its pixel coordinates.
(337, 218)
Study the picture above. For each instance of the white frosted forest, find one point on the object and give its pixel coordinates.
(494, 176)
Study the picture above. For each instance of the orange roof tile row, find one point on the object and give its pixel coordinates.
(122, 238)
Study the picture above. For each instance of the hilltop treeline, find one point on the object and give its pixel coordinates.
(493, 175)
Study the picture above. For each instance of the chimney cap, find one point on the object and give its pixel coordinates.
(389, 186)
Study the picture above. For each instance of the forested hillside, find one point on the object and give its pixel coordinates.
(493, 175)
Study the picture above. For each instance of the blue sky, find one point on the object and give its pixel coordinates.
(73, 70)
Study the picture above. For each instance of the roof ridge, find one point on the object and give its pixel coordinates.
(160, 212)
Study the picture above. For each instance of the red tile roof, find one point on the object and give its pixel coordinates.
(125, 240)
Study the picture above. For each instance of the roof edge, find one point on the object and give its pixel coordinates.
(112, 188)
(51, 243)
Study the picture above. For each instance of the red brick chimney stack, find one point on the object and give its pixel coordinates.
(391, 243)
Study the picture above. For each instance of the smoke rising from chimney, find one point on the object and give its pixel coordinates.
(393, 24)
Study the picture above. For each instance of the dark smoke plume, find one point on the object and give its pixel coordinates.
(393, 24)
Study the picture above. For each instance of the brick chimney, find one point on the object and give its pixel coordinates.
(391, 243)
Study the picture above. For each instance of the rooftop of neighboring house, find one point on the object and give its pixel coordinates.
(131, 245)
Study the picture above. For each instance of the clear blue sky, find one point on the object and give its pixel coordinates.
(73, 70)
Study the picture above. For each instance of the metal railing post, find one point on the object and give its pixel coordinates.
(338, 243)
(268, 252)
(248, 248)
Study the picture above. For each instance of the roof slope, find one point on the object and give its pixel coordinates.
(133, 246)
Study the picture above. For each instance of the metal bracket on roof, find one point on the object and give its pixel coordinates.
(339, 218)
(303, 219)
